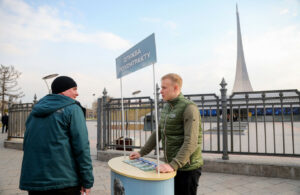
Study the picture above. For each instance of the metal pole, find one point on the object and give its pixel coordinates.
(99, 124)
(156, 120)
(157, 99)
(104, 110)
(158, 113)
(224, 118)
(123, 130)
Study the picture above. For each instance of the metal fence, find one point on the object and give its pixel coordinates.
(271, 120)
(259, 122)
(18, 114)
(138, 121)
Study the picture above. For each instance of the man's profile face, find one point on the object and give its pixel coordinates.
(169, 90)
(71, 93)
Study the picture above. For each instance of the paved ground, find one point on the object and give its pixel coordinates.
(210, 183)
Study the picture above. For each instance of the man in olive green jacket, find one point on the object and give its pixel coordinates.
(180, 132)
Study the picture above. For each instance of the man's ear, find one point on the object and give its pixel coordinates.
(176, 87)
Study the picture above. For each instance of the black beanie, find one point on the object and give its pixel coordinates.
(62, 83)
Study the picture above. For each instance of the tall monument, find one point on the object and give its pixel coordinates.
(242, 82)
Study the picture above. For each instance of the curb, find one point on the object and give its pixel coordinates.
(14, 143)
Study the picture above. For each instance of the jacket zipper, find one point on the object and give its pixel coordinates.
(165, 148)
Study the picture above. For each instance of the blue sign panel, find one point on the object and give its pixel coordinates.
(141, 55)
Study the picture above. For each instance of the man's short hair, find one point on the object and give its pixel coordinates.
(175, 78)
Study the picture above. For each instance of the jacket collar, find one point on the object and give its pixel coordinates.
(175, 100)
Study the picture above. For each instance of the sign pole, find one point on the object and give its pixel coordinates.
(156, 121)
(123, 131)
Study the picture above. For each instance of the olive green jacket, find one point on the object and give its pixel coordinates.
(181, 135)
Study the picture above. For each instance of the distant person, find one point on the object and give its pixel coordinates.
(235, 117)
(56, 147)
(180, 132)
(4, 120)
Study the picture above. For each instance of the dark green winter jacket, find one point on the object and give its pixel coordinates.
(56, 146)
(181, 135)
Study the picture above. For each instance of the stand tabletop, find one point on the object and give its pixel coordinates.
(118, 166)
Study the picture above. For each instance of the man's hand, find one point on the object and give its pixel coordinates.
(84, 190)
(134, 155)
(165, 168)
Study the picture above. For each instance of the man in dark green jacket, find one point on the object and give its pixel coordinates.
(56, 147)
(180, 132)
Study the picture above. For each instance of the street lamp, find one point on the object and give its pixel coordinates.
(50, 76)
(136, 92)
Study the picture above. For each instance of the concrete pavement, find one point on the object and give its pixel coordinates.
(210, 183)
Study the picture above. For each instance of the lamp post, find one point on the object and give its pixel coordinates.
(50, 76)
(136, 117)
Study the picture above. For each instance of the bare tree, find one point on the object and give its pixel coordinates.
(8, 85)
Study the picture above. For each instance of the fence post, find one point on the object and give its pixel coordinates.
(224, 119)
(104, 127)
(282, 121)
(9, 132)
(218, 123)
(99, 124)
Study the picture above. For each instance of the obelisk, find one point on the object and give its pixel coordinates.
(242, 82)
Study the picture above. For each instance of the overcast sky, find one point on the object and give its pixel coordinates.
(196, 39)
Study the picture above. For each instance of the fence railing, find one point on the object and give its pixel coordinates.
(271, 120)
(258, 122)
(18, 114)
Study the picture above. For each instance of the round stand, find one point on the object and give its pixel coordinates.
(130, 180)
